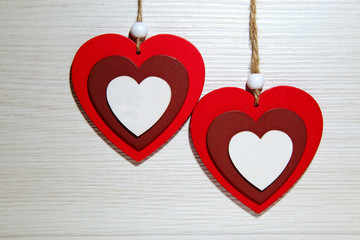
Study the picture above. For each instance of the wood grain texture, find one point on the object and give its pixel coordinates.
(59, 179)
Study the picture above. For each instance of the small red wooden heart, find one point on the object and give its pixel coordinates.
(105, 57)
(227, 111)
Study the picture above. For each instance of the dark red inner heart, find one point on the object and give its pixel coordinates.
(164, 67)
(226, 125)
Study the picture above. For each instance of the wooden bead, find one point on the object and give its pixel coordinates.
(139, 30)
(255, 81)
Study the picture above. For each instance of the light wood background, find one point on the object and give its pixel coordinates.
(60, 180)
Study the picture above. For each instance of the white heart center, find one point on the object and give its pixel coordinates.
(260, 161)
(138, 106)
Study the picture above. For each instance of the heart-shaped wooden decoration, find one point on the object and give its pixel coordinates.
(138, 101)
(287, 125)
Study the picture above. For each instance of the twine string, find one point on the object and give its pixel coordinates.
(255, 60)
(139, 12)
(138, 43)
(139, 18)
(253, 31)
(256, 93)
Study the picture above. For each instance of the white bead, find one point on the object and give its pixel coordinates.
(139, 30)
(255, 81)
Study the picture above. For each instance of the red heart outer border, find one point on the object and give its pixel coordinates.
(107, 45)
(235, 99)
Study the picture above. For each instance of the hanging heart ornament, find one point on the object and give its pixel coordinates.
(257, 153)
(138, 100)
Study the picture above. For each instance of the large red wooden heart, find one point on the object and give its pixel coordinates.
(227, 111)
(106, 57)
